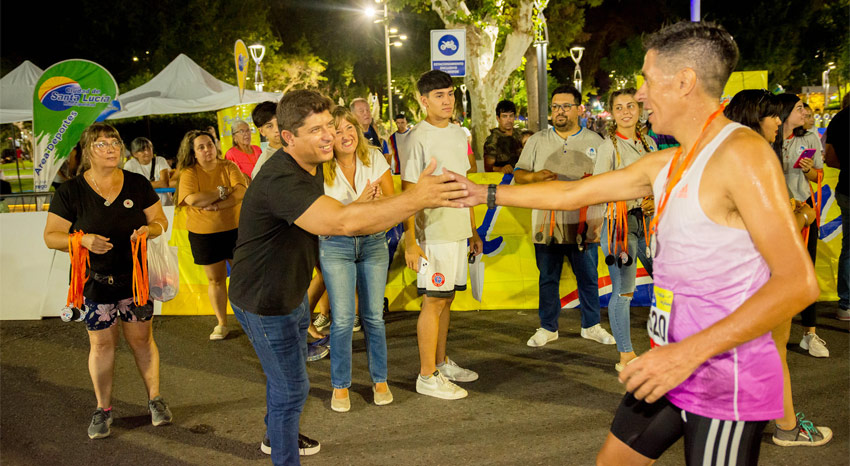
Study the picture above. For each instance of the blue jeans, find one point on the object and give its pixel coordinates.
(844, 258)
(623, 282)
(349, 264)
(550, 262)
(281, 346)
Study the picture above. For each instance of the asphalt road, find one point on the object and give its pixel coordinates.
(531, 406)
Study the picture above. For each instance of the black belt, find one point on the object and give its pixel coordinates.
(112, 280)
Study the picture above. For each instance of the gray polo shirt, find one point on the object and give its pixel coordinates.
(572, 159)
(795, 179)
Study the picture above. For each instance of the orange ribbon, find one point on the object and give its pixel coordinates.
(671, 182)
(141, 285)
(79, 266)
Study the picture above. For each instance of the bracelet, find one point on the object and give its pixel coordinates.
(491, 196)
(805, 217)
(222, 193)
(162, 228)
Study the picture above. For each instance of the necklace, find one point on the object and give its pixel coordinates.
(106, 201)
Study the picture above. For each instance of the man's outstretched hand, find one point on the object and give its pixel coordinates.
(476, 193)
(440, 190)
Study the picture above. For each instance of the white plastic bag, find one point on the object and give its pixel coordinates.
(476, 278)
(162, 269)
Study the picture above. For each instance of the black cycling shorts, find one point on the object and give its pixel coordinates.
(651, 428)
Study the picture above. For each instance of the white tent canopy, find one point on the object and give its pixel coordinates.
(16, 92)
(184, 87)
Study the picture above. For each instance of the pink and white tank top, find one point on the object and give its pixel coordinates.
(711, 270)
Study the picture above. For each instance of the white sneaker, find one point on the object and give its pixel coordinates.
(438, 387)
(842, 314)
(598, 334)
(815, 345)
(455, 373)
(541, 337)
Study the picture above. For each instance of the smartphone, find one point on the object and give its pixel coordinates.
(807, 154)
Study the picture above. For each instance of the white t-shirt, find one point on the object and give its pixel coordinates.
(134, 166)
(629, 151)
(267, 153)
(448, 145)
(342, 190)
(795, 179)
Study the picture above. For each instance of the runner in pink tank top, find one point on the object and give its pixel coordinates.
(711, 269)
(729, 266)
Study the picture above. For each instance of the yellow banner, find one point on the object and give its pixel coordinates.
(240, 60)
(510, 280)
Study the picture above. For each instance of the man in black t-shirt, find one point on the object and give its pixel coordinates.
(283, 211)
(836, 154)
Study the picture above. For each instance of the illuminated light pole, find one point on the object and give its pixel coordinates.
(825, 78)
(541, 44)
(389, 34)
(258, 51)
(575, 54)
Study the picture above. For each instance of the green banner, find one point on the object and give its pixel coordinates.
(69, 96)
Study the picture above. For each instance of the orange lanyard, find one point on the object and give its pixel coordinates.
(140, 270)
(817, 198)
(671, 182)
(79, 265)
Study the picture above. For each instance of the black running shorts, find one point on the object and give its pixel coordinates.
(650, 429)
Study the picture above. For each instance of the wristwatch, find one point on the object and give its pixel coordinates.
(491, 196)
(222, 193)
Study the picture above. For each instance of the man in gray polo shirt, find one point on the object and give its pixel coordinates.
(564, 152)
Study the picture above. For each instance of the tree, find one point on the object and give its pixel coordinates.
(563, 33)
(300, 69)
(488, 23)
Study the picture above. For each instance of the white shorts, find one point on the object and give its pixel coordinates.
(446, 271)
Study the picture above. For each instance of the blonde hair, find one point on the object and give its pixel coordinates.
(89, 136)
(340, 115)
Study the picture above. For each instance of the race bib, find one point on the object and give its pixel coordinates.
(659, 316)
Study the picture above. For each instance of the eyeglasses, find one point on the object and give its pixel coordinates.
(242, 131)
(105, 145)
(564, 107)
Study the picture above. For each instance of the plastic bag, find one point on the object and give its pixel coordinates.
(163, 273)
(476, 277)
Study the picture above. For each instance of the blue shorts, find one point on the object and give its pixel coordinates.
(101, 316)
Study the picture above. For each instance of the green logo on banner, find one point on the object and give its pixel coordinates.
(69, 96)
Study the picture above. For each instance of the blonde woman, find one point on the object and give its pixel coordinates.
(112, 207)
(624, 145)
(356, 264)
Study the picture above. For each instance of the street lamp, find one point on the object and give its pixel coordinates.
(389, 33)
(258, 51)
(575, 54)
(825, 78)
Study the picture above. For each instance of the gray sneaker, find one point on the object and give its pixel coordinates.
(160, 414)
(100, 422)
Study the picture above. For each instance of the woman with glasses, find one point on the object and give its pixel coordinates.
(624, 145)
(211, 189)
(111, 207)
(761, 111)
(356, 265)
(243, 153)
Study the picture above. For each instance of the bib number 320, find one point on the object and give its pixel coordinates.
(659, 316)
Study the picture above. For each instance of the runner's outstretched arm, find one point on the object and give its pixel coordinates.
(632, 182)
